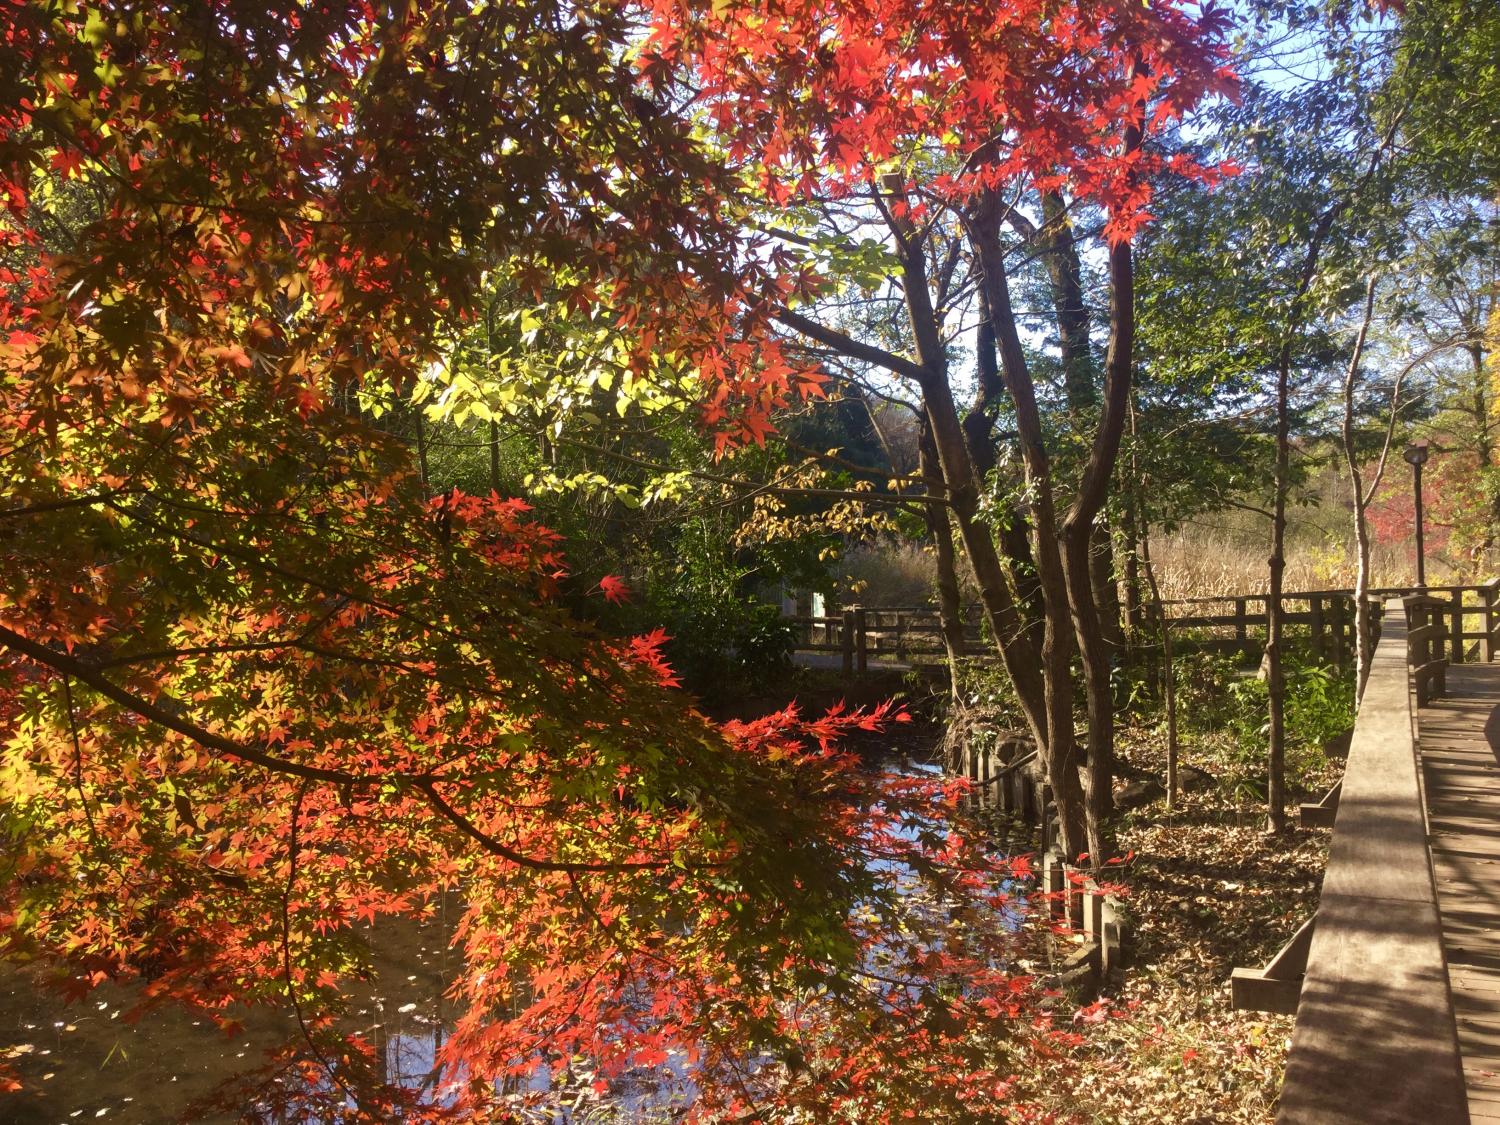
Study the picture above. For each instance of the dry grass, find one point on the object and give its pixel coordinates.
(888, 573)
(1204, 560)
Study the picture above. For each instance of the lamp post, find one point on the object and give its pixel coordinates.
(1415, 455)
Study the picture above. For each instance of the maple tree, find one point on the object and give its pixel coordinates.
(261, 689)
(941, 122)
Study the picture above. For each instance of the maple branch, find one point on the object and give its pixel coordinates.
(422, 783)
(89, 501)
(71, 666)
(848, 345)
(83, 799)
(286, 947)
(428, 789)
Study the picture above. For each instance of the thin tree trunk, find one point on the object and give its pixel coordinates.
(1065, 270)
(1364, 645)
(1132, 567)
(1013, 534)
(950, 606)
(1275, 617)
(1364, 491)
(1106, 585)
(1169, 672)
(494, 456)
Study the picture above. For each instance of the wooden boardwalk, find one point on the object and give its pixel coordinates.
(1459, 739)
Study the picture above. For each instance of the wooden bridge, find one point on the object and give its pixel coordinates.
(1395, 982)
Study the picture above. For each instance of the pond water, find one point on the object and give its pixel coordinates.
(83, 1062)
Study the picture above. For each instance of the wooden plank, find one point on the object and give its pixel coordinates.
(1462, 775)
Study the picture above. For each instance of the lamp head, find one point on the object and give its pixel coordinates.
(1416, 453)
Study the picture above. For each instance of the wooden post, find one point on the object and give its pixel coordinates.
(1316, 603)
(847, 638)
(1489, 619)
(1240, 635)
(863, 653)
(1456, 627)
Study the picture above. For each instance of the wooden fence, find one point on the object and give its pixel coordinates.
(1234, 624)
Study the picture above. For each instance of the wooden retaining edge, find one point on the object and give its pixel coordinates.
(1375, 1041)
(1095, 916)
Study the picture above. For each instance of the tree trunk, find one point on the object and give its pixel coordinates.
(1057, 634)
(1169, 673)
(1275, 674)
(1106, 586)
(1275, 615)
(1364, 643)
(1134, 541)
(935, 512)
(1065, 271)
(1014, 532)
(1078, 535)
(963, 484)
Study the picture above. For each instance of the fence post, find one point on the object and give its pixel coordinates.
(1316, 604)
(1456, 627)
(1240, 635)
(846, 637)
(1489, 620)
(860, 637)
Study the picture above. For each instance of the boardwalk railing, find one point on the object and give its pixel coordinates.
(1329, 616)
(1236, 623)
(1375, 1038)
(900, 632)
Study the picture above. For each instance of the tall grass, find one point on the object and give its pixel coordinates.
(1202, 560)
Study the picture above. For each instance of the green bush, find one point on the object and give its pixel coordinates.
(729, 647)
(1319, 707)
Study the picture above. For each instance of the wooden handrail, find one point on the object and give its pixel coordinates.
(1375, 1040)
(916, 631)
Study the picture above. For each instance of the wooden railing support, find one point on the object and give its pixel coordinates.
(1322, 813)
(1456, 628)
(1488, 592)
(1276, 987)
(1425, 640)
